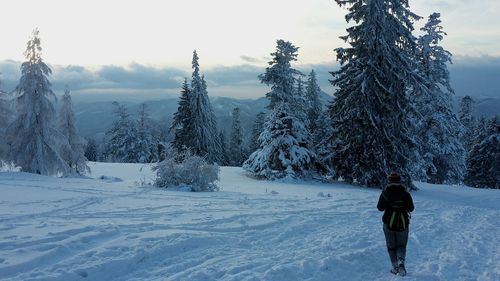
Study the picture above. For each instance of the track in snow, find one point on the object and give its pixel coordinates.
(87, 229)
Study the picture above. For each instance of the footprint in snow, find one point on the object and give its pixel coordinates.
(82, 273)
(110, 179)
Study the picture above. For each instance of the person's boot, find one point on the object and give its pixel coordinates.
(395, 270)
(401, 269)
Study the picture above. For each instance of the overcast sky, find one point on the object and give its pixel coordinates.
(131, 46)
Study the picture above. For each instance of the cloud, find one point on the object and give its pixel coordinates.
(103, 82)
(137, 76)
(251, 59)
(234, 75)
(476, 76)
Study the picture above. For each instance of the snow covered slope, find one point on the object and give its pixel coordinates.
(109, 228)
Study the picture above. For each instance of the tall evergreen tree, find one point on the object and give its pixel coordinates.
(314, 106)
(325, 144)
(439, 129)
(280, 75)
(466, 116)
(5, 112)
(75, 155)
(300, 106)
(91, 152)
(284, 144)
(34, 142)
(480, 128)
(236, 152)
(371, 110)
(257, 128)
(203, 138)
(181, 124)
(215, 145)
(483, 163)
(6, 115)
(121, 138)
(224, 155)
(146, 142)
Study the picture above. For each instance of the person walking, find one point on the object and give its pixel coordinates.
(396, 203)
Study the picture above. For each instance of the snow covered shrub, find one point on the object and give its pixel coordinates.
(200, 175)
(192, 171)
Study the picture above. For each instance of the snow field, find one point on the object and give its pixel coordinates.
(110, 228)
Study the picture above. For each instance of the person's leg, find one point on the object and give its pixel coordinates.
(390, 240)
(401, 242)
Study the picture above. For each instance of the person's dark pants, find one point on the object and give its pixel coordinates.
(396, 245)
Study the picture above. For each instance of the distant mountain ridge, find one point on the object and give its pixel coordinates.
(93, 119)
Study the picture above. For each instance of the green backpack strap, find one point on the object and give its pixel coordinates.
(391, 222)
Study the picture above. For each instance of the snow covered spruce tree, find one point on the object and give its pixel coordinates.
(91, 150)
(466, 117)
(236, 151)
(75, 154)
(284, 143)
(146, 142)
(194, 123)
(257, 128)
(483, 163)
(224, 156)
(5, 111)
(314, 106)
(325, 144)
(439, 129)
(121, 144)
(181, 125)
(34, 142)
(371, 110)
(300, 106)
(5, 118)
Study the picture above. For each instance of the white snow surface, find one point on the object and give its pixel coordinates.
(111, 228)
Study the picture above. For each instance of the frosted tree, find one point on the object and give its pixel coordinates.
(236, 151)
(224, 155)
(314, 106)
(483, 163)
(283, 150)
(466, 116)
(325, 144)
(203, 139)
(371, 110)
(146, 142)
(439, 129)
(181, 125)
(280, 75)
(6, 115)
(34, 142)
(5, 111)
(300, 106)
(284, 143)
(91, 150)
(480, 128)
(257, 128)
(75, 154)
(121, 144)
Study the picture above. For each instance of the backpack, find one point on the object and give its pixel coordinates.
(398, 220)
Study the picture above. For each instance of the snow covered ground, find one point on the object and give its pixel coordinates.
(110, 228)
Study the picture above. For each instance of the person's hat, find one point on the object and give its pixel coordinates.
(394, 178)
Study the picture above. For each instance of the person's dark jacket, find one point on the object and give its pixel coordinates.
(395, 196)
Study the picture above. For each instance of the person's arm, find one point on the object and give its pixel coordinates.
(381, 203)
(410, 207)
